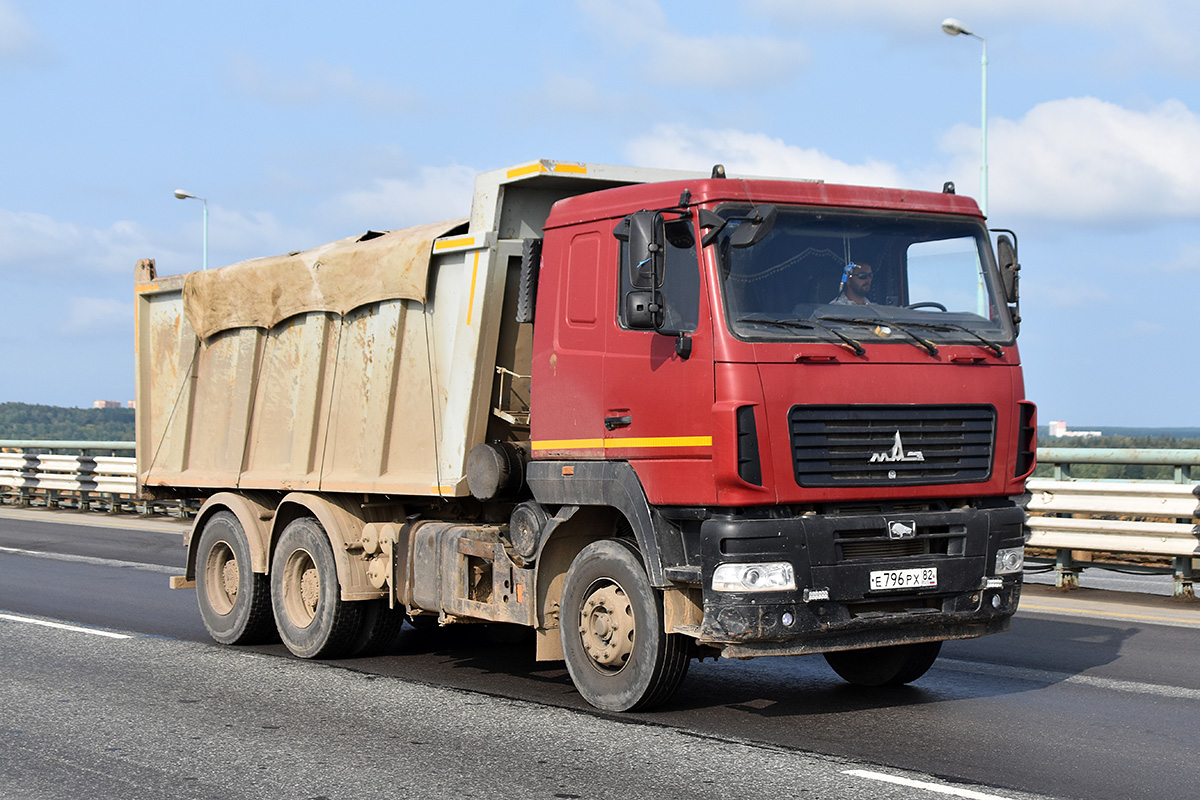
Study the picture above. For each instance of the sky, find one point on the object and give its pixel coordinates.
(304, 122)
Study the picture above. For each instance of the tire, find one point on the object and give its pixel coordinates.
(884, 666)
(378, 630)
(312, 618)
(235, 601)
(611, 624)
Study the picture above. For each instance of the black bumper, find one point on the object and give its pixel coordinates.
(833, 606)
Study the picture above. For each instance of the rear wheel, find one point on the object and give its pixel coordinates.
(379, 628)
(235, 601)
(611, 624)
(312, 618)
(885, 666)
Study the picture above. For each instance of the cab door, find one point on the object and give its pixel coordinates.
(658, 395)
(569, 355)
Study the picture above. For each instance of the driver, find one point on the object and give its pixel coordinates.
(856, 285)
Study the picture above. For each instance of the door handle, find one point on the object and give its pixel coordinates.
(612, 423)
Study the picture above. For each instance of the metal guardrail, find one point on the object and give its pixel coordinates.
(74, 445)
(1072, 516)
(1076, 516)
(30, 477)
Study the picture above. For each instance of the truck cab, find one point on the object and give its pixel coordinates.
(822, 475)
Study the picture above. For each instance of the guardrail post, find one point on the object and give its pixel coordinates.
(1184, 576)
(1066, 573)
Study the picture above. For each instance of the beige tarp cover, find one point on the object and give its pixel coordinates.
(336, 277)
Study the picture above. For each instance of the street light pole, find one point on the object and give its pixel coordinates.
(953, 27)
(182, 195)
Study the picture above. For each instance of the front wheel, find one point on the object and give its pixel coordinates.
(884, 666)
(611, 624)
(313, 619)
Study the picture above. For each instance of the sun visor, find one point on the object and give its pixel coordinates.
(336, 277)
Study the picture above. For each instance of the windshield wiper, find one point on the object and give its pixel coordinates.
(808, 324)
(924, 344)
(946, 326)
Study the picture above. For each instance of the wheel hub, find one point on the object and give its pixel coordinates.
(221, 578)
(229, 579)
(606, 627)
(301, 588)
(310, 590)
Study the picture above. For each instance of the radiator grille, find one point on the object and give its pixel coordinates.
(891, 445)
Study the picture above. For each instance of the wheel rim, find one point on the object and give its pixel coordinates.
(606, 626)
(222, 578)
(301, 588)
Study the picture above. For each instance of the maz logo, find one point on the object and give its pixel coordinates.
(896, 454)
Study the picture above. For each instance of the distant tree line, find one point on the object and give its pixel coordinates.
(25, 421)
(1129, 472)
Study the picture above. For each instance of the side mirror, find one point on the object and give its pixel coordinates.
(1010, 274)
(1006, 257)
(644, 310)
(645, 233)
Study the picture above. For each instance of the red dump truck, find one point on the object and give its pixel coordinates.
(651, 415)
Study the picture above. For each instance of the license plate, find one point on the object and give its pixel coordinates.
(903, 578)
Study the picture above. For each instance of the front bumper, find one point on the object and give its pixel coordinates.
(833, 556)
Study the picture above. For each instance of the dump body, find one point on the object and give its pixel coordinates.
(365, 365)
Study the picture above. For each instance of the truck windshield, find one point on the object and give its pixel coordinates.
(857, 271)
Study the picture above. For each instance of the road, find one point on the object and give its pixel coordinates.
(1093, 694)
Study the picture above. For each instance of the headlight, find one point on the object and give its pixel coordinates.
(1009, 560)
(772, 577)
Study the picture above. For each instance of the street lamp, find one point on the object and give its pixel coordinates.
(953, 27)
(182, 195)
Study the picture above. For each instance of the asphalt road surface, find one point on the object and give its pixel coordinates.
(1091, 695)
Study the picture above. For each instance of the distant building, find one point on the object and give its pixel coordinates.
(106, 404)
(131, 404)
(1058, 428)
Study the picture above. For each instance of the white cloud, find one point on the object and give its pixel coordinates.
(18, 38)
(32, 243)
(1160, 31)
(250, 235)
(1087, 160)
(98, 316)
(1187, 260)
(36, 245)
(685, 147)
(573, 94)
(1078, 160)
(1059, 295)
(1147, 328)
(666, 56)
(434, 193)
(318, 82)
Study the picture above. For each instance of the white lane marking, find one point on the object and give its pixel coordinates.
(1049, 676)
(64, 627)
(103, 562)
(1105, 613)
(937, 788)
